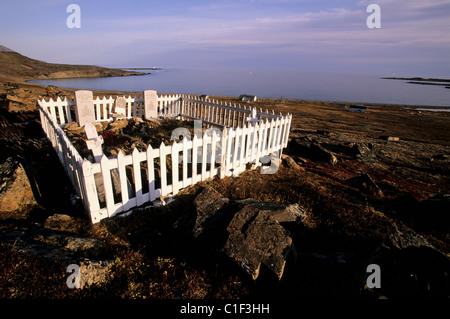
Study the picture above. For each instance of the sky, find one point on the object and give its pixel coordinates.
(330, 35)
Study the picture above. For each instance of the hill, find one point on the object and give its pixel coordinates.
(17, 67)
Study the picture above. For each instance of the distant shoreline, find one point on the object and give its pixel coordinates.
(423, 81)
(153, 68)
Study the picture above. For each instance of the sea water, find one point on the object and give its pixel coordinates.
(271, 83)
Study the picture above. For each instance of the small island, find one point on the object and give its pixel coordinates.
(423, 81)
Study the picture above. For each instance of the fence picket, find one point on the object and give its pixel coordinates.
(123, 180)
(194, 159)
(235, 162)
(204, 155)
(175, 178)
(213, 153)
(185, 162)
(137, 177)
(151, 154)
(107, 185)
(163, 169)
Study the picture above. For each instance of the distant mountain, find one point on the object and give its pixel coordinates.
(15, 66)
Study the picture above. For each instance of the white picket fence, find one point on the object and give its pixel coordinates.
(60, 109)
(236, 138)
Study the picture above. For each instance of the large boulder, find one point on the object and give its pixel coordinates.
(411, 266)
(250, 232)
(365, 184)
(314, 151)
(257, 235)
(256, 238)
(212, 213)
(362, 151)
(16, 192)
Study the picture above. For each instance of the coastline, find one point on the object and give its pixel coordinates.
(17, 67)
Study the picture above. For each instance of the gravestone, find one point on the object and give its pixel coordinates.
(120, 107)
(94, 142)
(150, 104)
(84, 107)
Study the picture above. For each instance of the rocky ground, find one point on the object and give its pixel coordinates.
(352, 190)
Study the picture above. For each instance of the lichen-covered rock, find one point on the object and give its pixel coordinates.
(257, 238)
(16, 192)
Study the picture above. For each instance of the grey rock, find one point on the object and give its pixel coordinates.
(290, 162)
(59, 222)
(321, 154)
(210, 212)
(93, 272)
(255, 238)
(363, 152)
(405, 238)
(283, 213)
(16, 191)
(365, 184)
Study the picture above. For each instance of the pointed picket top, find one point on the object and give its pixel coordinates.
(163, 146)
(135, 152)
(104, 160)
(205, 136)
(120, 155)
(194, 139)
